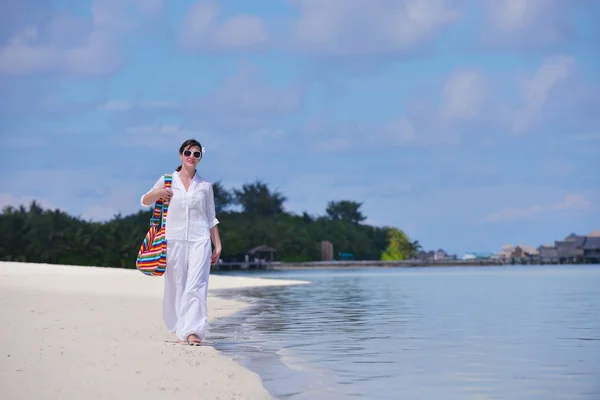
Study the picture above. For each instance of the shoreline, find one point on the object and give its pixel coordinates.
(354, 264)
(93, 332)
(388, 264)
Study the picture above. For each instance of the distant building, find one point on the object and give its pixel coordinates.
(566, 251)
(262, 253)
(591, 249)
(440, 254)
(507, 251)
(548, 254)
(570, 250)
(326, 248)
(523, 251)
(477, 256)
(573, 249)
(577, 239)
(424, 255)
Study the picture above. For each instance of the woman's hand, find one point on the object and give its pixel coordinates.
(215, 255)
(164, 194)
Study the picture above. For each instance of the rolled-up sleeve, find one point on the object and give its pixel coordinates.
(210, 207)
(160, 183)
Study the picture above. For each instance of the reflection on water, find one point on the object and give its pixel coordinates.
(433, 333)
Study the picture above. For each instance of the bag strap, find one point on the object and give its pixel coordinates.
(165, 207)
(161, 207)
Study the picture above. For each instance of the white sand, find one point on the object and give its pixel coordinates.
(97, 333)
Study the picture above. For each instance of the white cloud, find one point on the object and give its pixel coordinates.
(247, 92)
(26, 54)
(158, 129)
(151, 7)
(155, 135)
(464, 95)
(8, 199)
(574, 202)
(334, 144)
(399, 131)
(343, 28)
(70, 44)
(202, 30)
(328, 135)
(571, 202)
(530, 24)
(99, 213)
(557, 168)
(128, 105)
(262, 135)
(91, 194)
(465, 102)
(470, 109)
(243, 100)
(95, 212)
(592, 137)
(336, 187)
(472, 106)
(117, 105)
(538, 89)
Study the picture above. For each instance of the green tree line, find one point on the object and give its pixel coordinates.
(249, 216)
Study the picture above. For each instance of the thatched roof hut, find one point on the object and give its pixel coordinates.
(263, 251)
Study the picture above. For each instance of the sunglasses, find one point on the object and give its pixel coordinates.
(188, 153)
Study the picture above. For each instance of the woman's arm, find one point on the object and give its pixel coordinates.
(216, 239)
(150, 198)
(214, 228)
(156, 192)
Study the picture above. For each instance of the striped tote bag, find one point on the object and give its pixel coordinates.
(152, 256)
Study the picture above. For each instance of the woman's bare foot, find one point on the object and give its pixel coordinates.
(194, 340)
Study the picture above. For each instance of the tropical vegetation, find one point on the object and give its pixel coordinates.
(249, 216)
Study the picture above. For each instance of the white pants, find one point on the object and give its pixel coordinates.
(186, 287)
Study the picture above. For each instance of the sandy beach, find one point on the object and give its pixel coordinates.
(97, 333)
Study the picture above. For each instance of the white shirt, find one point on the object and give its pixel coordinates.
(191, 213)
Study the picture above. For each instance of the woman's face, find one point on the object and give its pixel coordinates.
(191, 156)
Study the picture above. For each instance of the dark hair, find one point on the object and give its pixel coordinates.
(186, 144)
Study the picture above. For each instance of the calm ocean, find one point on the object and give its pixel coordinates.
(511, 332)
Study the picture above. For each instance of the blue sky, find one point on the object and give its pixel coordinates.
(469, 124)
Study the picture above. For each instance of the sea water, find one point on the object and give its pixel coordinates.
(502, 332)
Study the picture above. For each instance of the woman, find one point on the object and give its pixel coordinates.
(190, 227)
